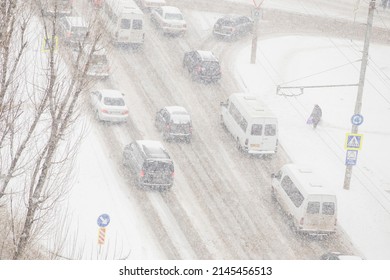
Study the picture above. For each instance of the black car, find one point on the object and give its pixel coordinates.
(175, 123)
(232, 26)
(150, 163)
(202, 65)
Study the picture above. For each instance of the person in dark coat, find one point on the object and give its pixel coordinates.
(315, 116)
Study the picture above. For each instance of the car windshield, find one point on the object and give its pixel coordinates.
(173, 16)
(114, 101)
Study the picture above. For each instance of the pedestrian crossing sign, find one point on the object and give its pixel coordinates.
(353, 141)
(48, 42)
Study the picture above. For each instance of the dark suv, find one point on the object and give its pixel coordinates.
(232, 26)
(175, 123)
(150, 162)
(202, 65)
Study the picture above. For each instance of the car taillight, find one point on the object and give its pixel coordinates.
(104, 111)
(142, 173)
(125, 112)
(301, 221)
(173, 174)
(198, 68)
(69, 34)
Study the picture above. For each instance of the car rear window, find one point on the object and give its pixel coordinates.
(212, 65)
(158, 166)
(112, 101)
(180, 128)
(173, 16)
(227, 23)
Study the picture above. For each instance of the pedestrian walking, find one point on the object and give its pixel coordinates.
(315, 116)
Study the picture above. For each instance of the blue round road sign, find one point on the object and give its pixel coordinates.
(357, 119)
(103, 220)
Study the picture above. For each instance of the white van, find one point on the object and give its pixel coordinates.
(124, 21)
(252, 124)
(311, 207)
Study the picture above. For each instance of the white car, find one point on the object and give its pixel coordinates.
(169, 19)
(109, 105)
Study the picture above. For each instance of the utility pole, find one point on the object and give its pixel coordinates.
(358, 104)
(256, 17)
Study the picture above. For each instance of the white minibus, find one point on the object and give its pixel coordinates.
(252, 124)
(310, 206)
(124, 21)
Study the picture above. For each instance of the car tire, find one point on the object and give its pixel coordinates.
(97, 115)
(238, 145)
(273, 195)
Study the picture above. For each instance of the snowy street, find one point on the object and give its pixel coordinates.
(90, 115)
(220, 205)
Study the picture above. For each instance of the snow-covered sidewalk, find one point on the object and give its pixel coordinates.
(364, 210)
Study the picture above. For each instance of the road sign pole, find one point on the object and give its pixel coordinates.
(358, 104)
(256, 16)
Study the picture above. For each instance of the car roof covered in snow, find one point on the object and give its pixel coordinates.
(171, 10)
(312, 182)
(111, 93)
(153, 149)
(207, 55)
(178, 114)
